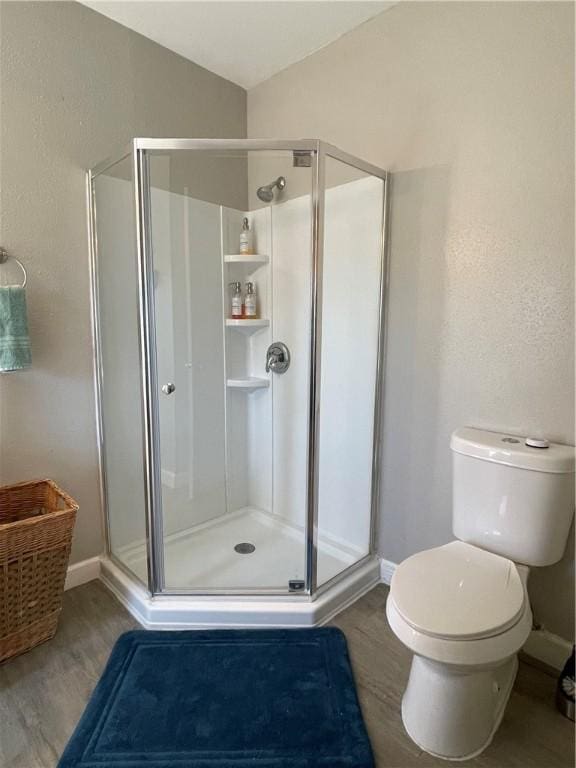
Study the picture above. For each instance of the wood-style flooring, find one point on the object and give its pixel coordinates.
(43, 692)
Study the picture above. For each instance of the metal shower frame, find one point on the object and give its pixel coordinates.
(137, 150)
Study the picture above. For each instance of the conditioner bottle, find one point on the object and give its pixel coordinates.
(236, 301)
(245, 237)
(250, 305)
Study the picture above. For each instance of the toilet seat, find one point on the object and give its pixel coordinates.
(458, 592)
(464, 654)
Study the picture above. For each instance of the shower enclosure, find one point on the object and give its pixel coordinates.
(238, 455)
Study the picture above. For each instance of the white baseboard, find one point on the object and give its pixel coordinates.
(82, 572)
(542, 645)
(387, 568)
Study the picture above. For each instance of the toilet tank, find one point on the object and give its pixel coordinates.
(510, 498)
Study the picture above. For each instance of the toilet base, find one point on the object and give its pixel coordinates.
(454, 712)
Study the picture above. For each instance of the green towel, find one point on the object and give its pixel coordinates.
(14, 339)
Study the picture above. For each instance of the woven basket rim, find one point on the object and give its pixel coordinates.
(43, 481)
(71, 505)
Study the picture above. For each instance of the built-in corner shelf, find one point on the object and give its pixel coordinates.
(246, 258)
(249, 384)
(245, 325)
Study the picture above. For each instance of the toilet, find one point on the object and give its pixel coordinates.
(463, 608)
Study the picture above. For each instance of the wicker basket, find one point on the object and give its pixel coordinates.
(36, 523)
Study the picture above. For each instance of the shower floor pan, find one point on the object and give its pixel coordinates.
(205, 557)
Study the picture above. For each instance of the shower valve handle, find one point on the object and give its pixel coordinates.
(277, 358)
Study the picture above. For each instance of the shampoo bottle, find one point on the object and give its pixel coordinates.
(236, 302)
(250, 309)
(245, 237)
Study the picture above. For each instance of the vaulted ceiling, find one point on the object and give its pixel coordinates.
(246, 42)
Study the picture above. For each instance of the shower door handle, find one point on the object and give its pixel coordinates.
(277, 358)
(168, 388)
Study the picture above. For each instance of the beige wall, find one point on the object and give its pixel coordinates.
(471, 104)
(74, 87)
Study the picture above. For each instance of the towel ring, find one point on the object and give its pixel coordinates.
(4, 256)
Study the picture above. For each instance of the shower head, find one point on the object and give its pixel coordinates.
(266, 193)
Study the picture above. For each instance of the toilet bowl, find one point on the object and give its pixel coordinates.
(463, 608)
(464, 613)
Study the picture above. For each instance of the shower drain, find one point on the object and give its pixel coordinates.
(244, 548)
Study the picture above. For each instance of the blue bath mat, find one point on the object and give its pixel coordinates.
(281, 698)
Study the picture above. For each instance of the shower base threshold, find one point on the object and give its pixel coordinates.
(234, 611)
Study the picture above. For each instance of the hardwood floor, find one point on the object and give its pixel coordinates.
(43, 692)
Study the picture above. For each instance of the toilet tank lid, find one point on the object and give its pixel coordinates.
(512, 450)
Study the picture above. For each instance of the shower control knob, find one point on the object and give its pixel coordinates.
(168, 388)
(277, 358)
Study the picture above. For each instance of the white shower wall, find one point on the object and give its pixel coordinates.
(260, 420)
(292, 272)
(190, 354)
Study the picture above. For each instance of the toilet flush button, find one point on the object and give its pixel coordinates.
(537, 442)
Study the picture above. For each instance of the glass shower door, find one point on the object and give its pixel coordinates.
(190, 371)
(232, 430)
